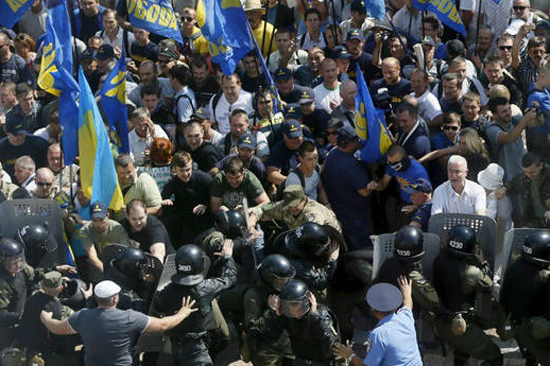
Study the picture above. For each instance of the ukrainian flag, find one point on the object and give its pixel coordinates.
(113, 102)
(370, 124)
(222, 23)
(56, 77)
(97, 167)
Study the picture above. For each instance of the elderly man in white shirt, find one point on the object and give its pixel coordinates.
(458, 194)
(143, 135)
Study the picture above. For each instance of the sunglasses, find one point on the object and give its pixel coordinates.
(452, 128)
(519, 8)
(43, 184)
(505, 48)
(187, 19)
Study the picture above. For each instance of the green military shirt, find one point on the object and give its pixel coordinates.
(144, 189)
(523, 186)
(313, 212)
(114, 234)
(251, 188)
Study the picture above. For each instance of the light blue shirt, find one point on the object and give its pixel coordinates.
(393, 341)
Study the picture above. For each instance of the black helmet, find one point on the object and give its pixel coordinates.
(190, 265)
(461, 241)
(536, 248)
(231, 223)
(294, 299)
(10, 251)
(276, 271)
(131, 262)
(309, 241)
(71, 295)
(37, 242)
(409, 243)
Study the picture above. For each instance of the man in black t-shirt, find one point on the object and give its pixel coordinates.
(203, 153)
(186, 201)
(398, 87)
(288, 90)
(146, 231)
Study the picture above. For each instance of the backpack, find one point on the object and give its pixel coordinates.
(177, 101)
(300, 174)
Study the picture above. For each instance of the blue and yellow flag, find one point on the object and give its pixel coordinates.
(370, 124)
(155, 16)
(445, 10)
(12, 10)
(56, 77)
(376, 8)
(97, 166)
(222, 23)
(113, 102)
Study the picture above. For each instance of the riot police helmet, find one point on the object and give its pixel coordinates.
(131, 262)
(294, 299)
(409, 243)
(309, 240)
(231, 223)
(36, 237)
(276, 271)
(536, 248)
(12, 255)
(190, 265)
(461, 241)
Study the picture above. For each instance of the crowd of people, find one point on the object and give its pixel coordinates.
(266, 203)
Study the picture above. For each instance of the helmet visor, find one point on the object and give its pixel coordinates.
(295, 308)
(279, 282)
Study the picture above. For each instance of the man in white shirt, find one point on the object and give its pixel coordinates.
(143, 135)
(327, 95)
(24, 171)
(458, 194)
(428, 105)
(409, 20)
(233, 97)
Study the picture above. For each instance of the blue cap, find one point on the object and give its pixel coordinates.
(422, 185)
(88, 54)
(428, 40)
(341, 53)
(15, 125)
(98, 210)
(355, 33)
(293, 111)
(359, 6)
(384, 297)
(292, 128)
(105, 51)
(307, 96)
(282, 73)
(247, 141)
(346, 133)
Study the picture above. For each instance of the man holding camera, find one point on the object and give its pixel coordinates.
(538, 98)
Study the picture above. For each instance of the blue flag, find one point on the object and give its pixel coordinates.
(12, 10)
(376, 8)
(155, 16)
(370, 124)
(113, 101)
(97, 166)
(222, 23)
(56, 77)
(445, 10)
(274, 92)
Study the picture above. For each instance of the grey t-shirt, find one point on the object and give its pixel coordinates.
(109, 334)
(509, 155)
(312, 183)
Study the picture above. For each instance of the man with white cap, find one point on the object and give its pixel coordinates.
(110, 334)
(393, 341)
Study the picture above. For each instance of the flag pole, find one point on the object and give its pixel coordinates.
(477, 28)
(274, 30)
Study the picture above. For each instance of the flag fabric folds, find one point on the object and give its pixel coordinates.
(97, 167)
(12, 10)
(376, 8)
(113, 102)
(370, 124)
(445, 10)
(155, 16)
(56, 77)
(222, 23)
